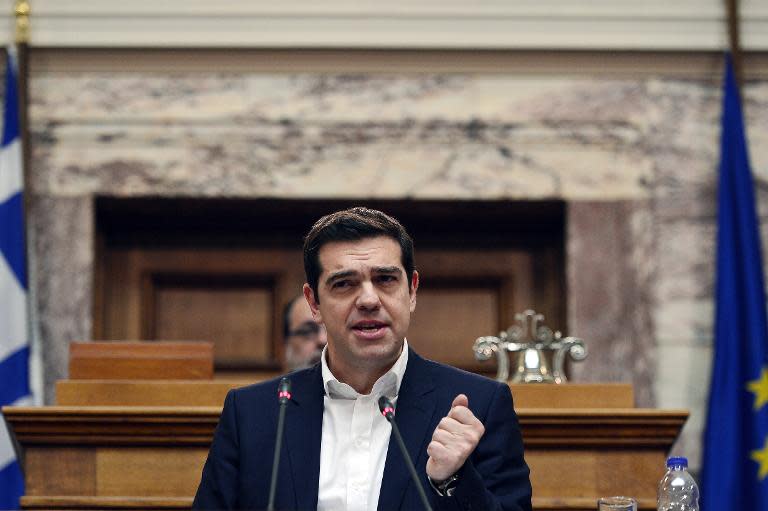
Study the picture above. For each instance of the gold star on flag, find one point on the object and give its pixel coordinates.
(760, 389)
(761, 457)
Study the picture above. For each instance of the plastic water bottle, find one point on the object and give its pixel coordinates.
(677, 489)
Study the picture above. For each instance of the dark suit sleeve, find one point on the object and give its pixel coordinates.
(219, 482)
(495, 477)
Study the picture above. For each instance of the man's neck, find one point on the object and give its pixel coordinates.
(359, 378)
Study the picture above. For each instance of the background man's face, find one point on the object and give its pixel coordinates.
(306, 337)
(365, 302)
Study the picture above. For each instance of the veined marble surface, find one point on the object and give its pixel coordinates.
(635, 159)
(448, 136)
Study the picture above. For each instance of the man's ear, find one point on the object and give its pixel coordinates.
(414, 287)
(309, 295)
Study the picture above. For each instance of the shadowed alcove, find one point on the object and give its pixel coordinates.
(221, 270)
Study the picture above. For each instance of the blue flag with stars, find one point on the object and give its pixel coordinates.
(735, 467)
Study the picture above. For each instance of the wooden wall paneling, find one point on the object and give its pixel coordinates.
(449, 314)
(234, 312)
(464, 242)
(153, 272)
(475, 292)
(99, 303)
(147, 306)
(468, 264)
(57, 470)
(135, 285)
(174, 282)
(122, 295)
(550, 287)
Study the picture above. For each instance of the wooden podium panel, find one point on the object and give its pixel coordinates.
(573, 395)
(112, 457)
(151, 457)
(578, 455)
(212, 393)
(145, 392)
(141, 360)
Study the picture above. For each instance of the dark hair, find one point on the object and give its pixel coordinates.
(351, 225)
(287, 316)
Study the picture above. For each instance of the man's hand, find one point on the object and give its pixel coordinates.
(454, 439)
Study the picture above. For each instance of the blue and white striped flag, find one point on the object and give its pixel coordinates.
(14, 338)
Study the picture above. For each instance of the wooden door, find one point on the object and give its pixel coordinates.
(193, 289)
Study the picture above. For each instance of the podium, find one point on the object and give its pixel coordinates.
(119, 445)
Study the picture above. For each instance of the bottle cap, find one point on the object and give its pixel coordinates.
(676, 461)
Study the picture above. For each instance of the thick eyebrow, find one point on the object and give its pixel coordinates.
(387, 269)
(379, 270)
(333, 277)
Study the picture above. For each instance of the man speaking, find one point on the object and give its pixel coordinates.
(460, 429)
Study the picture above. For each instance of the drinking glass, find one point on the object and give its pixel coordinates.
(617, 504)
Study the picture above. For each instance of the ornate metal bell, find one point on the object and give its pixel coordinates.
(538, 354)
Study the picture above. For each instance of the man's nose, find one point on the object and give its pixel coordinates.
(368, 298)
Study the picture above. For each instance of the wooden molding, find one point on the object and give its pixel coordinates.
(126, 503)
(583, 504)
(112, 425)
(131, 425)
(583, 428)
(101, 502)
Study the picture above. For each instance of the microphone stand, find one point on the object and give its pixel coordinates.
(388, 411)
(283, 395)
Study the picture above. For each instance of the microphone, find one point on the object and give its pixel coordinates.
(388, 411)
(283, 396)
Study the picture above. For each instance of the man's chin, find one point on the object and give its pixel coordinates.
(379, 353)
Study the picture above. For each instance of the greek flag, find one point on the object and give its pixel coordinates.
(14, 342)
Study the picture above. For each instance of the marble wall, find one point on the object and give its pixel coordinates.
(635, 159)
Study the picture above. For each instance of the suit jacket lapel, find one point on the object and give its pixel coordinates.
(414, 411)
(303, 433)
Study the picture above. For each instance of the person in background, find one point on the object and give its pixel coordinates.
(304, 337)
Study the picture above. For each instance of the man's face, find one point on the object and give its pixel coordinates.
(306, 337)
(365, 303)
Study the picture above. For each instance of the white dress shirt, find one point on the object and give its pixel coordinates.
(355, 440)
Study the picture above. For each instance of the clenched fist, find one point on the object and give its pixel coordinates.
(454, 439)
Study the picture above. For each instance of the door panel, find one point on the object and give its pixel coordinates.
(238, 316)
(222, 271)
(234, 298)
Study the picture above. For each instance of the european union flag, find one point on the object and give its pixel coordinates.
(735, 469)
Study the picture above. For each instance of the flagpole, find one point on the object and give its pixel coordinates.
(22, 12)
(734, 41)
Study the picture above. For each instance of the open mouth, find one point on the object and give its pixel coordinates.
(369, 329)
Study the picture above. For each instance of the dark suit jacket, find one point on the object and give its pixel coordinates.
(237, 472)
